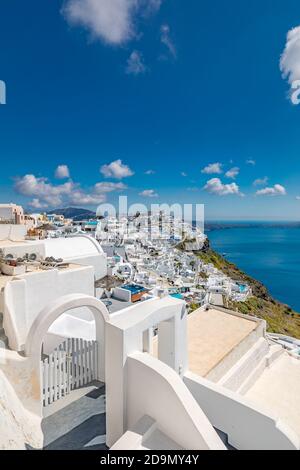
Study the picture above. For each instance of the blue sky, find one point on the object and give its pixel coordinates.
(182, 91)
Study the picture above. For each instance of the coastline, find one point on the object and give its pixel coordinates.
(280, 317)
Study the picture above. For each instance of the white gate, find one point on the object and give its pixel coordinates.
(73, 364)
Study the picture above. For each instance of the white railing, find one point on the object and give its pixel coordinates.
(72, 365)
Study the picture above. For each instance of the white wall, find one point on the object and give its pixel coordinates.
(80, 249)
(18, 250)
(155, 390)
(122, 294)
(13, 232)
(124, 336)
(248, 427)
(27, 295)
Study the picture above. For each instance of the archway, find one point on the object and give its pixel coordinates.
(53, 311)
(96, 420)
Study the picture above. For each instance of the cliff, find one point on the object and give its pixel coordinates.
(280, 318)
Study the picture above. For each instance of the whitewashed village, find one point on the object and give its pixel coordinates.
(115, 335)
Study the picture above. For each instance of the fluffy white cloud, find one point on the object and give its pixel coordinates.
(215, 186)
(233, 173)
(106, 187)
(166, 40)
(37, 204)
(261, 181)
(148, 193)
(150, 172)
(79, 197)
(30, 185)
(116, 170)
(135, 64)
(213, 169)
(112, 21)
(251, 162)
(46, 194)
(62, 172)
(276, 190)
(290, 58)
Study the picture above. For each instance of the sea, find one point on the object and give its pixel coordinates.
(269, 252)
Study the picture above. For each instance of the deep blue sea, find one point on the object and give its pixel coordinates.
(269, 254)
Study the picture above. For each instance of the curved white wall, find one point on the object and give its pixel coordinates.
(154, 389)
(80, 249)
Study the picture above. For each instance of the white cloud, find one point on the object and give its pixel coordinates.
(233, 173)
(37, 204)
(46, 194)
(62, 172)
(30, 185)
(148, 193)
(213, 168)
(82, 198)
(276, 190)
(112, 21)
(106, 187)
(215, 186)
(135, 64)
(251, 162)
(150, 172)
(290, 58)
(261, 181)
(116, 170)
(166, 40)
(183, 174)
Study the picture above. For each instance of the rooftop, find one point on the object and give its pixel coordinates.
(213, 334)
(4, 279)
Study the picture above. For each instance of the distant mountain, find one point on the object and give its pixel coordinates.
(75, 213)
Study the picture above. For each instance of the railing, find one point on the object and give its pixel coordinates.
(72, 365)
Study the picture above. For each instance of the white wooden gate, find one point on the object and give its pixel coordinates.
(73, 364)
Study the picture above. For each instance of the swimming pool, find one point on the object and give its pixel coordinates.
(242, 288)
(134, 289)
(177, 296)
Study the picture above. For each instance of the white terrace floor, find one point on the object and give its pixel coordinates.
(278, 390)
(212, 335)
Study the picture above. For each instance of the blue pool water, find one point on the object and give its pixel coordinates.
(133, 288)
(269, 254)
(242, 287)
(177, 296)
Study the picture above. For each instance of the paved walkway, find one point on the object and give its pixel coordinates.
(78, 426)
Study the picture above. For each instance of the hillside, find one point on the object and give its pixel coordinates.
(280, 318)
(74, 213)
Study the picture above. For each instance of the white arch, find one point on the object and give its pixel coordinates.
(92, 240)
(49, 314)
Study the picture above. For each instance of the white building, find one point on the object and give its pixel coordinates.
(202, 382)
